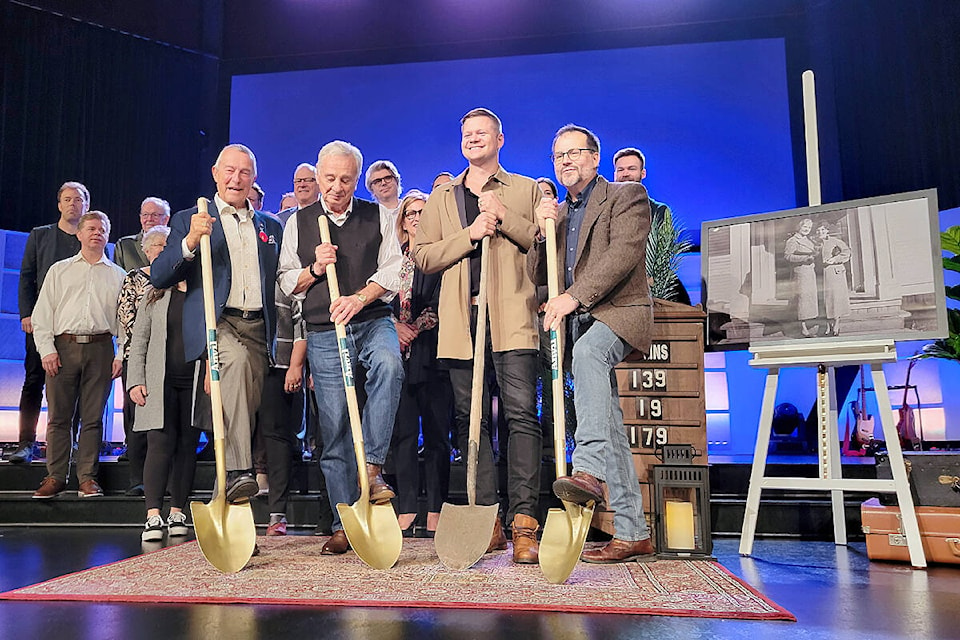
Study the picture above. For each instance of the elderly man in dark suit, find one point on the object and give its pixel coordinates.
(245, 247)
(128, 253)
(602, 239)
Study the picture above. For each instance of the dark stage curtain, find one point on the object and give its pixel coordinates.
(895, 84)
(127, 117)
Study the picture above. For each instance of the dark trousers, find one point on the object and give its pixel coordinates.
(278, 420)
(516, 373)
(171, 453)
(544, 361)
(136, 440)
(83, 383)
(31, 395)
(426, 405)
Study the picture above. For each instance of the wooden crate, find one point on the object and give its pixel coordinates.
(662, 396)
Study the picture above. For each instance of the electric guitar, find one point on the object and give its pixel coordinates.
(906, 428)
(863, 433)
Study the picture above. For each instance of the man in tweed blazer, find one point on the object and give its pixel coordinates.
(601, 240)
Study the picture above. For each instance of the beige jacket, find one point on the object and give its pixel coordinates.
(442, 243)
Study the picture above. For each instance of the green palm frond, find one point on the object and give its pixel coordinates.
(666, 243)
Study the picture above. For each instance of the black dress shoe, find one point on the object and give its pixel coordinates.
(134, 491)
(241, 486)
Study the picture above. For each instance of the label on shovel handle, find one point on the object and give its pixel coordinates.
(213, 353)
(345, 363)
(554, 355)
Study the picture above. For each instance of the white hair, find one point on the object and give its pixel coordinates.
(340, 148)
(239, 147)
(148, 235)
(160, 202)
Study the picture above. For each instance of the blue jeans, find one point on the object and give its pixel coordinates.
(374, 344)
(603, 449)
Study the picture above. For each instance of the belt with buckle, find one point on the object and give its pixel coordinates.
(86, 338)
(254, 314)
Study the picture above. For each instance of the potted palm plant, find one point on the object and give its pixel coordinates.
(948, 348)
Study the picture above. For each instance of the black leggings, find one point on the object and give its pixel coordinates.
(172, 450)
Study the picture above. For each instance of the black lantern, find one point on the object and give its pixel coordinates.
(682, 502)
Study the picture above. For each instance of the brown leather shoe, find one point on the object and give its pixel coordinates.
(525, 547)
(336, 545)
(50, 488)
(90, 489)
(580, 488)
(621, 551)
(380, 491)
(498, 541)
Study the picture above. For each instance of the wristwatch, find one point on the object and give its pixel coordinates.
(362, 298)
(312, 272)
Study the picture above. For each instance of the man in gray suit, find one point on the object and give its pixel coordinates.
(128, 253)
(601, 241)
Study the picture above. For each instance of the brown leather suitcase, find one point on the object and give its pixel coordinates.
(939, 532)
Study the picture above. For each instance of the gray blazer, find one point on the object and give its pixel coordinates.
(147, 365)
(610, 276)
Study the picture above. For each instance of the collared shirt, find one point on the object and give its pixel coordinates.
(575, 210)
(389, 257)
(77, 297)
(241, 235)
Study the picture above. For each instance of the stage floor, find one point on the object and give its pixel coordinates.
(835, 592)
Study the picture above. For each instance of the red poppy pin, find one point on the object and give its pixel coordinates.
(263, 236)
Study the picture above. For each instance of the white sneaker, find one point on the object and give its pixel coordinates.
(177, 524)
(152, 529)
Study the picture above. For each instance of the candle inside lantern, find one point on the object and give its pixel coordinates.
(680, 525)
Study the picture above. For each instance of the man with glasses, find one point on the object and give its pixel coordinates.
(306, 191)
(601, 245)
(486, 201)
(383, 182)
(128, 254)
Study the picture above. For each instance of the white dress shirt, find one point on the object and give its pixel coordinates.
(241, 234)
(389, 257)
(77, 297)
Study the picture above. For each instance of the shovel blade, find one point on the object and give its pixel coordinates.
(564, 533)
(373, 532)
(225, 532)
(463, 533)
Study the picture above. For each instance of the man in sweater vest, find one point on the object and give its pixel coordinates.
(368, 259)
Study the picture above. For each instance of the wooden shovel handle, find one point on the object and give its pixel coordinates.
(556, 356)
(346, 367)
(213, 353)
(476, 390)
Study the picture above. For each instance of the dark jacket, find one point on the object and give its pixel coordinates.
(39, 254)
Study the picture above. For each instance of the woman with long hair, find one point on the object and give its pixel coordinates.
(426, 400)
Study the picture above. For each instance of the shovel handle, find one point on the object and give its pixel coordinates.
(476, 390)
(346, 367)
(556, 357)
(213, 353)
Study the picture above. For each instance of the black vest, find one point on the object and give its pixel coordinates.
(358, 245)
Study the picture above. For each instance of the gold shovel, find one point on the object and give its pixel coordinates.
(225, 532)
(566, 529)
(372, 529)
(464, 531)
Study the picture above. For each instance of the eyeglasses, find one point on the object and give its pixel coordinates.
(413, 213)
(150, 214)
(385, 180)
(304, 180)
(573, 154)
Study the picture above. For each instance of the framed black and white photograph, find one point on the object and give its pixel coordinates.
(858, 270)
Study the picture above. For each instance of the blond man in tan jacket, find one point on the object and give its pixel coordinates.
(483, 201)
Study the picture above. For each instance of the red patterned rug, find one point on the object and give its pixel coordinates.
(291, 571)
